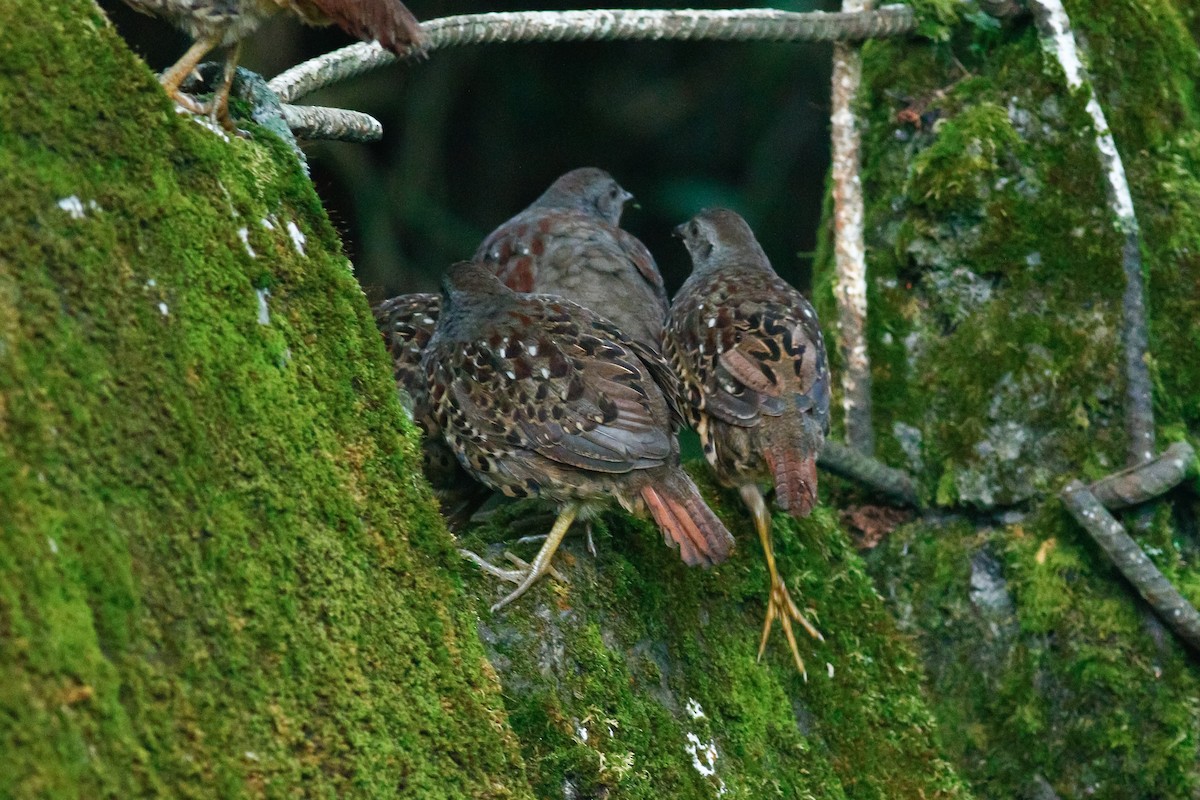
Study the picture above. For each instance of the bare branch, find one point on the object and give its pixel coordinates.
(850, 264)
(751, 24)
(337, 124)
(849, 463)
(1054, 26)
(1172, 607)
(1147, 481)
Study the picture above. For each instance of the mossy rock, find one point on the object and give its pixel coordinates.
(995, 316)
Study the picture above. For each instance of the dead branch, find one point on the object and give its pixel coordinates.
(750, 24)
(1172, 607)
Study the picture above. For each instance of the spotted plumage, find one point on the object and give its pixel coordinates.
(751, 361)
(541, 397)
(406, 323)
(224, 23)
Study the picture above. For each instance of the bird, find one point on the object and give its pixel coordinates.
(569, 243)
(406, 323)
(755, 382)
(224, 23)
(541, 397)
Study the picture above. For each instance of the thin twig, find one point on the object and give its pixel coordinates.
(853, 465)
(1054, 26)
(750, 24)
(1147, 481)
(1172, 607)
(850, 262)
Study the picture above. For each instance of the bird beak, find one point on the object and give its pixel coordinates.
(628, 198)
(678, 230)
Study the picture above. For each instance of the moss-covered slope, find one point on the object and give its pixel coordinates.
(219, 572)
(995, 292)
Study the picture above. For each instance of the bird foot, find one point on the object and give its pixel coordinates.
(511, 575)
(780, 605)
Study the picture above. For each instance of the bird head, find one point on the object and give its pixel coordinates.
(590, 190)
(716, 235)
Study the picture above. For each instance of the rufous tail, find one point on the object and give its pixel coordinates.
(795, 477)
(686, 520)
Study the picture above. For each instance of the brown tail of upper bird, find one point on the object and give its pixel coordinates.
(388, 22)
(686, 519)
(795, 477)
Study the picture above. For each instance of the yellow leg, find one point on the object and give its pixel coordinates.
(541, 563)
(176, 75)
(779, 602)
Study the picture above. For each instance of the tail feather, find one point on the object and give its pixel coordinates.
(795, 475)
(686, 520)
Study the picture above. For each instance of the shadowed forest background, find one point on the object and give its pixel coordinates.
(474, 134)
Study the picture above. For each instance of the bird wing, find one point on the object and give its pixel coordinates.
(388, 22)
(555, 379)
(749, 349)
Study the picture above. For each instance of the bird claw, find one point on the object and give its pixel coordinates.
(780, 605)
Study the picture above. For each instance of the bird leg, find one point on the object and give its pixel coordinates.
(541, 563)
(779, 602)
(220, 100)
(176, 75)
(511, 575)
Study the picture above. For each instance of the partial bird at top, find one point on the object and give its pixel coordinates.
(224, 23)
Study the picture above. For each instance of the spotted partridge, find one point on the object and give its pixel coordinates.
(224, 23)
(406, 323)
(751, 360)
(539, 396)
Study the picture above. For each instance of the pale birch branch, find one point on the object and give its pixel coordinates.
(850, 266)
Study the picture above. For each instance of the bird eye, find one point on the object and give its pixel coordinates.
(694, 229)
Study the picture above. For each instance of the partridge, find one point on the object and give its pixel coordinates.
(568, 243)
(539, 396)
(224, 23)
(751, 361)
(406, 323)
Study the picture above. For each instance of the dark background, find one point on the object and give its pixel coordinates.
(474, 134)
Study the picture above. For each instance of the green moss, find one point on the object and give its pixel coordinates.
(217, 576)
(573, 659)
(1043, 658)
(995, 302)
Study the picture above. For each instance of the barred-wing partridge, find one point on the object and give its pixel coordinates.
(751, 360)
(224, 23)
(539, 396)
(567, 243)
(406, 323)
